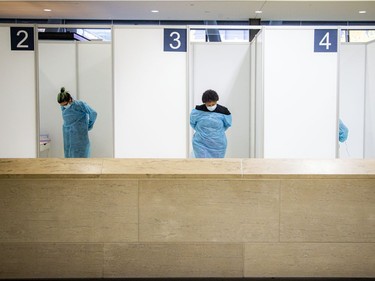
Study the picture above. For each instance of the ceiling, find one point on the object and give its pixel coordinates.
(191, 10)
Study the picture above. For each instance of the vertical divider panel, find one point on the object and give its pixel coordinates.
(95, 88)
(352, 95)
(18, 98)
(57, 68)
(259, 96)
(252, 105)
(370, 101)
(300, 96)
(150, 89)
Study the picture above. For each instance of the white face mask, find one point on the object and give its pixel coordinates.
(67, 106)
(211, 108)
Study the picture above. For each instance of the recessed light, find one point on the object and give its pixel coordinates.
(258, 12)
(154, 11)
(47, 10)
(362, 12)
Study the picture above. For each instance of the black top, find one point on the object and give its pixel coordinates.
(219, 109)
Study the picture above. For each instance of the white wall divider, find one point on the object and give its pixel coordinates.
(225, 68)
(150, 95)
(352, 95)
(252, 96)
(259, 97)
(95, 88)
(57, 68)
(300, 96)
(370, 102)
(18, 98)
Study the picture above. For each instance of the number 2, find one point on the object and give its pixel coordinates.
(19, 45)
(177, 39)
(325, 38)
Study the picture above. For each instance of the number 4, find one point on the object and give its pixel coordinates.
(325, 41)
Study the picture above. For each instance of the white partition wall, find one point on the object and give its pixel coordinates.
(57, 68)
(225, 68)
(259, 97)
(352, 95)
(95, 88)
(370, 102)
(252, 97)
(18, 100)
(150, 95)
(300, 96)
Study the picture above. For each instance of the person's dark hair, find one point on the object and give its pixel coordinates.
(210, 95)
(63, 96)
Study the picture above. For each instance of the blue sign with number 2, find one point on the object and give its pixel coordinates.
(22, 38)
(325, 40)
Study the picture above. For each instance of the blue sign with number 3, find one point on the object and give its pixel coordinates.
(325, 40)
(174, 40)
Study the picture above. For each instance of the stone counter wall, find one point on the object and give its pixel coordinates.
(123, 224)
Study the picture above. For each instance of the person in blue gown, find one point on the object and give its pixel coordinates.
(210, 121)
(343, 131)
(79, 119)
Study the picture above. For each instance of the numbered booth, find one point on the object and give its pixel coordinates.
(84, 68)
(150, 76)
(297, 101)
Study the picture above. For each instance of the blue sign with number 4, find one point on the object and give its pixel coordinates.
(325, 40)
(174, 40)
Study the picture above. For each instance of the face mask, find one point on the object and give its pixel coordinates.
(67, 106)
(211, 108)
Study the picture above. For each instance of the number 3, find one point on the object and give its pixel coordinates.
(177, 39)
(19, 45)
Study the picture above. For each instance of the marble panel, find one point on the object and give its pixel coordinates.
(45, 260)
(68, 210)
(308, 168)
(327, 211)
(173, 260)
(172, 168)
(310, 260)
(50, 168)
(208, 210)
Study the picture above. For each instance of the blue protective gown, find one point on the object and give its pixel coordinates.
(209, 140)
(79, 118)
(343, 131)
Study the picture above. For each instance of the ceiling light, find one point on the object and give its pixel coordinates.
(154, 11)
(47, 10)
(258, 12)
(362, 12)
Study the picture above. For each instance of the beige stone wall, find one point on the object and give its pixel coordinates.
(167, 218)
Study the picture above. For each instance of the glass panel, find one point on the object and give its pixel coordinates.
(361, 35)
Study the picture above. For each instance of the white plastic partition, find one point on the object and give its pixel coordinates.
(95, 88)
(252, 96)
(85, 70)
(352, 95)
(300, 96)
(18, 100)
(225, 68)
(150, 95)
(370, 102)
(57, 68)
(259, 97)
